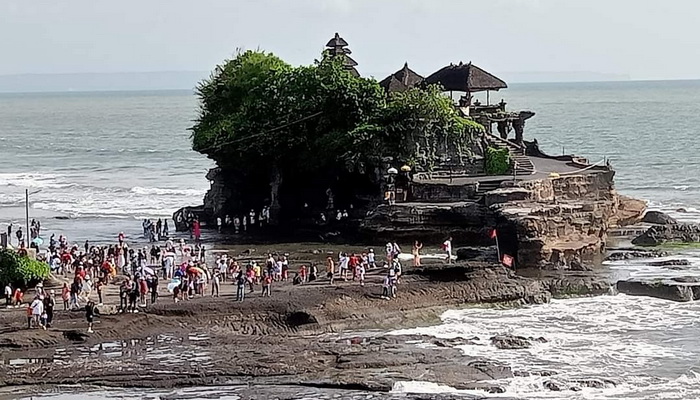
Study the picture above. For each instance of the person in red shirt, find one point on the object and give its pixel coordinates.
(17, 297)
(352, 265)
(196, 230)
(266, 285)
(302, 273)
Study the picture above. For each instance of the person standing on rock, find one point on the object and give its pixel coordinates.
(417, 247)
(241, 280)
(215, 282)
(90, 313)
(196, 230)
(447, 247)
(330, 269)
(8, 295)
(266, 285)
(19, 235)
(371, 262)
(37, 307)
(236, 224)
(49, 304)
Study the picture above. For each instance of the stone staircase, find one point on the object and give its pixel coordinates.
(487, 186)
(523, 165)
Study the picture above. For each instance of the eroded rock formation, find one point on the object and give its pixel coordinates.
(660, 234)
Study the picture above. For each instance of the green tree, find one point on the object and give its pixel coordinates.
(421, 127)
(271, 126)
(21, 270)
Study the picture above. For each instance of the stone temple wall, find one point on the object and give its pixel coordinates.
(439, 193)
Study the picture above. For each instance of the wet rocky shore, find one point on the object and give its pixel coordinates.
(310, 336)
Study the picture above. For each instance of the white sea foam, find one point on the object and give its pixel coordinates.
(167, 191)
(421, 387)
(31, 180)
(646, 346)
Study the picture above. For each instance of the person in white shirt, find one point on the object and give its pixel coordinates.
(8, 295)
(370, 259)
(37, 309)
(447, 246)
(219, 223)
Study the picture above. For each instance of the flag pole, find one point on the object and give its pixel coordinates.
(498, 249)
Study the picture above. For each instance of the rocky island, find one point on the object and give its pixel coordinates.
(330, 154)
(407, 162)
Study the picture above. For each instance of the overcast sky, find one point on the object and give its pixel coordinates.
(643, 39)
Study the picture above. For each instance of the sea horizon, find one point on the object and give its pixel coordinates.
(190, 85)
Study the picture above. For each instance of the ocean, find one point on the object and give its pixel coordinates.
(106, 160)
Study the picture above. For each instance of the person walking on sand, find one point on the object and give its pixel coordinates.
(447, 247)
(417, 246)
(330, 269)
(219, 224)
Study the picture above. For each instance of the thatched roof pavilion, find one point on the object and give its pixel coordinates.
(465, 78)
(401, 80)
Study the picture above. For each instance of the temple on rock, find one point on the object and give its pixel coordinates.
(549, 210)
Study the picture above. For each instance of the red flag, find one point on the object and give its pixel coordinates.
(493, 233)
(508, 260)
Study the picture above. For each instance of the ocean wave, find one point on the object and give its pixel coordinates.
(32, 180)
(167, 191)
(645, 345)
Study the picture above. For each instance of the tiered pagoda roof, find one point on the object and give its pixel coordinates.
(338, 47)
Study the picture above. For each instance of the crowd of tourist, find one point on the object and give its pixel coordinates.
(138, 272)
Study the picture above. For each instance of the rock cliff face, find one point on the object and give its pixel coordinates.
(544, 223)
(554, 222)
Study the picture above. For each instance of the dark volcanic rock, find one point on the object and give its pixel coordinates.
(659, 234)
(667, 290)
(659, 218)
(477, 253)
(628, 255)
(509, 342)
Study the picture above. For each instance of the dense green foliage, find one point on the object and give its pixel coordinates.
(313, 127)
(21, 270)
(497, 160)
(421, 127)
